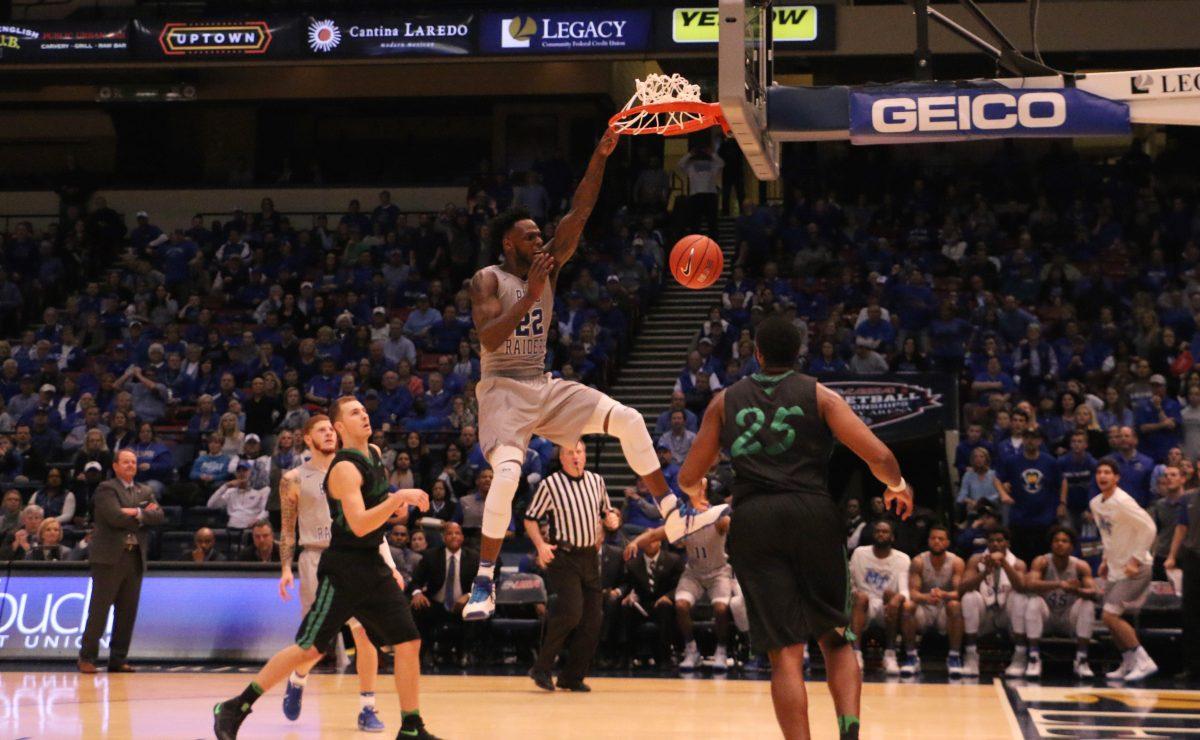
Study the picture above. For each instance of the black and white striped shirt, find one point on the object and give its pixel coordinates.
(575, 504)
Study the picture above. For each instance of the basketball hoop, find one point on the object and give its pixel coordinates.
(667, 106)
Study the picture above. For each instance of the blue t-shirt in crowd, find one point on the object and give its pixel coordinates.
(1135, 476)
(1080, 475)
(1035, 488)
(1158, 443)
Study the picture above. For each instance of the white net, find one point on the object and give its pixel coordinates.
(661, 89)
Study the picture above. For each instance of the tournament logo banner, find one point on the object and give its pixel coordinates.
(794, 26)
(555, 32)
(378, 35)
(36, 42)
(901, 406)
(217, 39)
(900, 114)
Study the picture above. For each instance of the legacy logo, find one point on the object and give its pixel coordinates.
(701, 25)
(988, 112)
(249, 37)
(558, 32)
(1174, 83)
(515, 33)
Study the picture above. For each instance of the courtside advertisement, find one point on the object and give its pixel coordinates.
(902, 114)
(183, 615)
(184, 40)
(34, 42)
(528, 32)
(348, 36)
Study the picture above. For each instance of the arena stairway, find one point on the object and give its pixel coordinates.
(657, 357)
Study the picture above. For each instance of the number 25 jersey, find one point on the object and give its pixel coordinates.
(775, 436)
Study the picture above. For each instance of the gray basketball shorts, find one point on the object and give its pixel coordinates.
(511, 411)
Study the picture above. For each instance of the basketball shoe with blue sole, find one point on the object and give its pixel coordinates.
(482, 604)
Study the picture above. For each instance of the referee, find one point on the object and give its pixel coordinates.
(577, 501)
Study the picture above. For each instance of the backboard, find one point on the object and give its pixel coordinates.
(745, 62)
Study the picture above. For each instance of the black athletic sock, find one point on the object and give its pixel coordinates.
(249, 695)
(847, 727)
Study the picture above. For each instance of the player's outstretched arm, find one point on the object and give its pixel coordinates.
(852, 432)
(289, 501)
(706, 448)
(566, 237)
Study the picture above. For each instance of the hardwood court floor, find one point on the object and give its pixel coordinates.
(170, 705)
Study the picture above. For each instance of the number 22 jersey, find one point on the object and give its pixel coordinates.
(523, 353)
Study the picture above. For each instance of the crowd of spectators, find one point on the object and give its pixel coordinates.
(1062, 292)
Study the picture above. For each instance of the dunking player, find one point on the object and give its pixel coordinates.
(354, 580)
(302, 499)
(707, 571)
(933, 580)
(787, 539)
(511, 305)
(1060, 590)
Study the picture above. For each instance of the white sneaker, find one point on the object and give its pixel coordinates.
(1083, 670)
(971, 664)
(1119, 674)
(890, 666)
(691, 658)
(1033, 667)
(1143, 667)
(859, 658)
(718, 661)
(1016, 669)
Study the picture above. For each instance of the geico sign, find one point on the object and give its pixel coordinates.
(987, 112)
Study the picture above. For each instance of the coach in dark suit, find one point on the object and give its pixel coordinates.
(612, 575)
(123, 511)
(441, 585)
(648, 594)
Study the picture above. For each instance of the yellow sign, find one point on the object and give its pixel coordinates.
(700, 25)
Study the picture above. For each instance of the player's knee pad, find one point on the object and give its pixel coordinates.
(629, 426)
(972, 610)
(506, 476)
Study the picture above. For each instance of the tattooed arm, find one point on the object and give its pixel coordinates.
(289, 503)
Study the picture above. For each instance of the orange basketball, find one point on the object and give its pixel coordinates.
(696, 261)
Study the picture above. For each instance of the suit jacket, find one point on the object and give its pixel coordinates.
(108, 538)
(612, 567)
(667, 571)
(430, 574)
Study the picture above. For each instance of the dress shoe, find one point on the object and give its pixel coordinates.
(86, 666)
(542, 679)
(121, 668)
(578, 686)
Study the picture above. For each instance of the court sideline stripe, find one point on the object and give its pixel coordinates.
(1009, 714)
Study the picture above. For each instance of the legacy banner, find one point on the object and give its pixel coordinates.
(265, 38)
(387, 35)
(530, 32)
(39, 42)
(182, 615)
(901, 406)
(794, 27)
(899, 114)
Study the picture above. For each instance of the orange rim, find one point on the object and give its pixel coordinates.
(705, 115)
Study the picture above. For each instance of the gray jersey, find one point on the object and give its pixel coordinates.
(523, 353)
(1058, 599)
(932, 578)
(706, 552)
(313, 512)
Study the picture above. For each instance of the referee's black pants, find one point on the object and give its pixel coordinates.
(573, 579)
